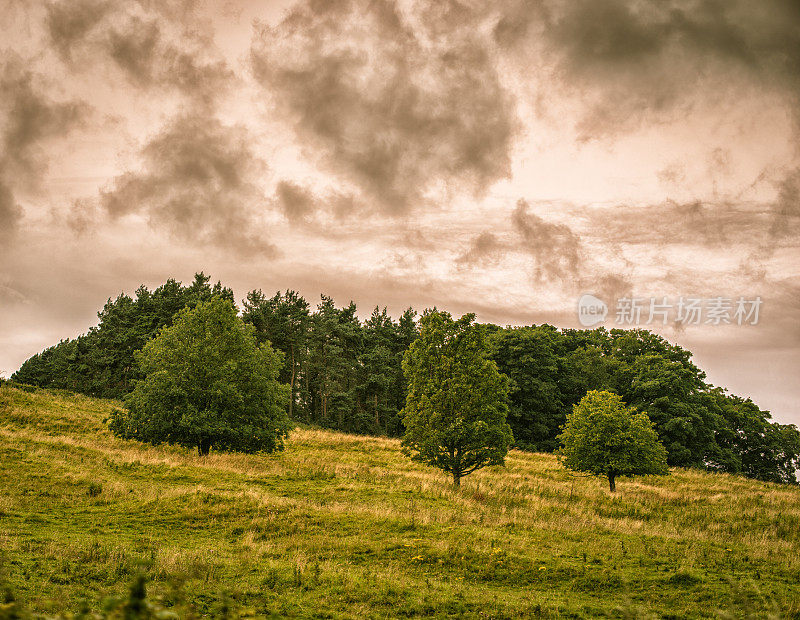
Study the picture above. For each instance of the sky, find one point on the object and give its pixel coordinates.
(501, 158)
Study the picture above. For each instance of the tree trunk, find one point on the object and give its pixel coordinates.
(455, 459)
(611, 485)
(204, 447)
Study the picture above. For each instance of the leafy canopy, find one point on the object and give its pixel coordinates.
(456, 406)
(102, 362)
(604, 437)
(207, 383)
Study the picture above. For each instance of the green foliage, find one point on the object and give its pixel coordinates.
(101, 362)
(207, 383)
(343, 373)
(456, 408)
(699, 425)
(755, 446)
(346, 374)
(605, 438)
(529, 356)
(282, 321)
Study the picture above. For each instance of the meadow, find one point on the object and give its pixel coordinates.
(345, 526)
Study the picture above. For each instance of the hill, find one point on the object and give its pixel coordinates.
(344, 526)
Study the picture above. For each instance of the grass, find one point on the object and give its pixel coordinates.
(341, 526)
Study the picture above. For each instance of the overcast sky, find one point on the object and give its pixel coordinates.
(502, 158)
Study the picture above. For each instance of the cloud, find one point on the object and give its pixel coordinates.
(558, 255)
(484, 249)
(555, 248)
(10, 214)
(30, 118)
(786, 210)
(302, 206)
(198, 181)
(68, 23)
(631, 60)
(711, 224)
(155, 45)
(398, 102)
(139, 48)
(296, 202)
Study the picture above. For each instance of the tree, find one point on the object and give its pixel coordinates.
(207, 383)
(283, 321)
(753, 445)
(335, 346)
(456, 406)
(604, 437)
(102, 362)
(528, 355)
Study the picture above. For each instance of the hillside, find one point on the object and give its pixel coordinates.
(346, 526)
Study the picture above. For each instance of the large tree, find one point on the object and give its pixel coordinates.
(604, 437)
(207, 383)
(456, 407)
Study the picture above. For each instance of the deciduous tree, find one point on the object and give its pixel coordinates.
(604, 437)
(457, 402)
(207, 383)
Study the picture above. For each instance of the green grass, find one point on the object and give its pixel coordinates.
(341, 526)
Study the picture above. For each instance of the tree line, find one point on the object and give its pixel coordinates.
(346, 374)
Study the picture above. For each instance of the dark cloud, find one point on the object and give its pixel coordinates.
(197, 182)
(555, 248)
(30, 118)
(786, 210)
(296, 202)
(142, 51)
(608, 286)
(485, 249)
(632, 59)
(68, 23)
(155, 45)
(10, 214)
(396, 102)
(302, 206)
(558, 255)
(134, 49)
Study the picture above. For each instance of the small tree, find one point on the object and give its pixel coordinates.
(456, 405)
(207, 383)
(604, 437)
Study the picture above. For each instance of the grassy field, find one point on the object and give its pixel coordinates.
(341, 526)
